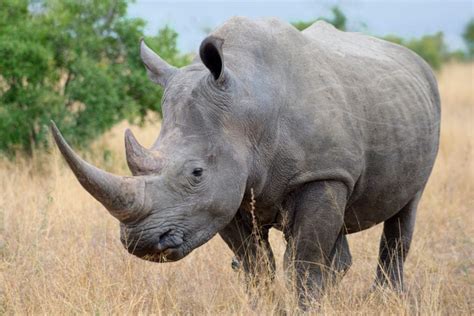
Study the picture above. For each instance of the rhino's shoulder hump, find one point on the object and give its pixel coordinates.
(318, 27)
(264, 24)
(243, 31)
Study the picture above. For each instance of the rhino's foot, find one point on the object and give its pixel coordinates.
(235, 264)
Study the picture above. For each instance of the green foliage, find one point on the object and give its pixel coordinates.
(431, 48)
(338, 19)
(76, 62)
(468, 37)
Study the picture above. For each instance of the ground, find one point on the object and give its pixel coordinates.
(60, 252)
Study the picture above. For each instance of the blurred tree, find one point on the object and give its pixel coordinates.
(76, 62)
(431, 48)
(468, 36)
(457, 55)
(339, 20)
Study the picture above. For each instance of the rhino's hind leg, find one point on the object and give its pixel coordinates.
(394, 246)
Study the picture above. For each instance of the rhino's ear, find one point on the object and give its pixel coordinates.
(159, 71)
(212, 56)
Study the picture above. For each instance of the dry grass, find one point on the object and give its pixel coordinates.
(60, 253)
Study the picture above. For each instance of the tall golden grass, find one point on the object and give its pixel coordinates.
(60, 252)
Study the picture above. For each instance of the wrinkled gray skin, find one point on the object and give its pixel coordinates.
(335, 132)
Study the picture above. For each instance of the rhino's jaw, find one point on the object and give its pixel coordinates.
(172, 245)
(172, 254)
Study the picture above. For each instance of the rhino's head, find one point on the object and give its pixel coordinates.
(190, 183)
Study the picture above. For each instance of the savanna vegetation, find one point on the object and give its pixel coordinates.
(77, 62)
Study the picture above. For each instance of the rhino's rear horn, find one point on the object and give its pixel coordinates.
(139, 159)
(124, 197)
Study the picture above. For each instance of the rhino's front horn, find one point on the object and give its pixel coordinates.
(124, 197)
(140, 160)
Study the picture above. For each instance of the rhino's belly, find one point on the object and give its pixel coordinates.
(361, 217)
(385, 190)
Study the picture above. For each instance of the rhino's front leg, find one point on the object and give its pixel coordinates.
(317, 224)
(251, 247)
(341, 258)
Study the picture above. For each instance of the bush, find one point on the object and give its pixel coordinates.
(76, 62)
(431, 48)
(468, 36)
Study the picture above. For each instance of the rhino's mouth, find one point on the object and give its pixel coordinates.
(168, 255)
(172, 247)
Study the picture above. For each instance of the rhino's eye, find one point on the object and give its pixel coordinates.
(197, 172)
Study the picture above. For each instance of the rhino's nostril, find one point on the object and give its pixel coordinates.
(168, 240)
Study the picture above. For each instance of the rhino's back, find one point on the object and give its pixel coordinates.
(349, 44)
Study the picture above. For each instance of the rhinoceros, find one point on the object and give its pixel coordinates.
(319, 133)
